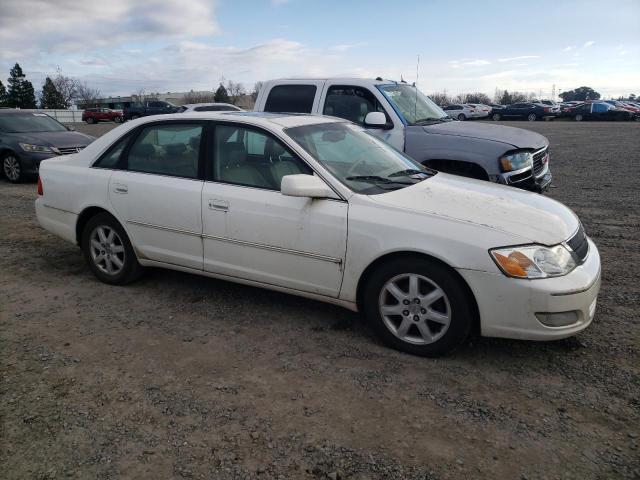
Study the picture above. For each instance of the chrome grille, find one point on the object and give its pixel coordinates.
(579, 244)
(538, 165)
(67, 150)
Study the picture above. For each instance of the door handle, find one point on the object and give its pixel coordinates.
(120, 188)
(221, 205)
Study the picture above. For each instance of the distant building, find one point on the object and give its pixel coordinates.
(177, 98)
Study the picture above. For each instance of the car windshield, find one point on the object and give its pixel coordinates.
(358, 159)
(412, 104)
(29, 122)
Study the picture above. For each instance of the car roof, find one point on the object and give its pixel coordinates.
(209, 104)
(264, 119)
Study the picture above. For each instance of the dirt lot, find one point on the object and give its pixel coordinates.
(178, 376)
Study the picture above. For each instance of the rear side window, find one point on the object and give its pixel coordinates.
(167, 150)
(214, 108)
(291, 99)
(111, 158)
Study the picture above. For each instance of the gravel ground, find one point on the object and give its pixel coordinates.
(179, 376)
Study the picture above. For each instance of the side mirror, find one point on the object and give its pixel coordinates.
(376, 120)
(308, 186)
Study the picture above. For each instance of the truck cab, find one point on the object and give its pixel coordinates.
(411, 122)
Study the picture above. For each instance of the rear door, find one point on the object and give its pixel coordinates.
(157, 192)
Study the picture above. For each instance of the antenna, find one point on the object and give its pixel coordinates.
(415, 105)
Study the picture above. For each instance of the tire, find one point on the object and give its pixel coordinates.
(135, 117)
(428, 330)
(496, 117)
(12, 168)
(118, 119)
(462, 117)
(532, 117)
(106, 247)
(578, 118)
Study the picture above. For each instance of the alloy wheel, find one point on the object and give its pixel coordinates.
(11, 167)
(107, 250)
(415, 309)
(532, 117)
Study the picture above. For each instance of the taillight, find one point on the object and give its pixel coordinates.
(40, 191)
(546, 109)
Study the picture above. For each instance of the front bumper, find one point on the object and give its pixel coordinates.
(508, 306)
(527, 179)
(30, 162)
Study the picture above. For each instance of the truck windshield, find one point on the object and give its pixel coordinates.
(358, 159)
(412, 104)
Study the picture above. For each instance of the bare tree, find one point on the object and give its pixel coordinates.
(235, 90)
(441, 98)
(256, 90)
(86, 96)
(66, 86)
(476, 97)
(142, 96)
(198, 97)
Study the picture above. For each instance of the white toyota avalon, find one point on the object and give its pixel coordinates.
(315, 206)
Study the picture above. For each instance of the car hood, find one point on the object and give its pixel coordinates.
(530, 217)
(517, 137)
(55, 139)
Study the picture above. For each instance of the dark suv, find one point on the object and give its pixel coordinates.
(529, 111)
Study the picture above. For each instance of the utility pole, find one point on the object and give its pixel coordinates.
(553, 93)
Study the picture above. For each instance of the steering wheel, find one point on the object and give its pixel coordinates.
(352, 170)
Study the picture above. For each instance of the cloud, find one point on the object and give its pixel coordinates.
(521, 57)
(62, 26)
(346, 46)
(468, 62)
(588, 44)
(569, 48)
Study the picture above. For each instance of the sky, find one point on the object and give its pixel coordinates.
(123, 46)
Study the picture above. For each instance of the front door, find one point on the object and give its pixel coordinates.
(254, 232)
(158, 192)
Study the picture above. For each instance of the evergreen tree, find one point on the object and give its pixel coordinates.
(51, 97)
(21, 93)
(221, 95)
(3, 95)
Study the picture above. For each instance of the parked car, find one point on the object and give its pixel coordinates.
(209, 107)
(408, 120)
(460, 111)
(530, 111)
(314, 206)
(95, 115)
(480, 110)
(555, 106)
(27, 138)
(599, 111)
(151, 107)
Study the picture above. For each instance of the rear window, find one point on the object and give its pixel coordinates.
(291, 99)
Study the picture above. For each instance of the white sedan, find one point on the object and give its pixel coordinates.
(317, 207)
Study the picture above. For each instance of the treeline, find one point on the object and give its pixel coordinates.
(232, 93)
(58, 91)
(501, 97)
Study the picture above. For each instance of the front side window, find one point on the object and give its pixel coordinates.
(167, 150)
(411, 104)
(351, 103)
(291, 99)
(251, 158)
(358, 159)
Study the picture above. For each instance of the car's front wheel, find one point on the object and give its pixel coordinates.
(418, 306)
(532, 117)
(462, 117)
(578, 118)
(496, 117)
(12, 168)
(108, 251)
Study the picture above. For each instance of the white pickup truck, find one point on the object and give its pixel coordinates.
(411, 122)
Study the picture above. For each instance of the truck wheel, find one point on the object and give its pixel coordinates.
(578, 118)
(134, 116)
(461, 117)
(496, 117)
(532, 117)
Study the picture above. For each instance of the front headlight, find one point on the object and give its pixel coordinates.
(516, 161)
(533, 261)
(27, 147)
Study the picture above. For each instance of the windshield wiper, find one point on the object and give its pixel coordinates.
(375, 179)
(409, 172)
(429, 119)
